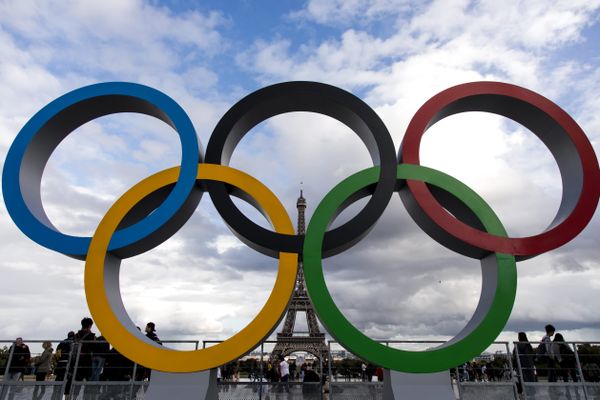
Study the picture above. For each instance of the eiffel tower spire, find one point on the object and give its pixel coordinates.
(287, 341)
(301, 206)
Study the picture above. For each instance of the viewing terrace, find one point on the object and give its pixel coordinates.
(495, 374)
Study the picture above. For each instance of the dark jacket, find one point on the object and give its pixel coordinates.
(85, 341)
(65, 349)
(152, 336)
(100, 348)
(20, 358)
(117, 367)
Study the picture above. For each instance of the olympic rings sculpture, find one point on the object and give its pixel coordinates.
(154, 209)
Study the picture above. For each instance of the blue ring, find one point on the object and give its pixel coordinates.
(73, 110)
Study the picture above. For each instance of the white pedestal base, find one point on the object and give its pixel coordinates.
(188, 386)
(404, 386)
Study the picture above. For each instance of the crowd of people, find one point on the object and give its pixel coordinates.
(552, 357)
(275, 370)
(84, 356)
(81, 356)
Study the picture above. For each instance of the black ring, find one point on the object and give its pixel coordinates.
(312, 97)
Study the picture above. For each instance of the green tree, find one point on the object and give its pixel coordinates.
(589, 357)
(4, 351)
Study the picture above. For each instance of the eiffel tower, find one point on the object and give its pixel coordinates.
(287, 341)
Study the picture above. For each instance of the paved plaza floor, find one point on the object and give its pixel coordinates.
(298, 391)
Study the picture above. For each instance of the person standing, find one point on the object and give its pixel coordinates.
(273, 371)
(151, 332)
(236, 371)
(284, 373)
(370, 371)
(100, 352)
(85, 339)
(143, 372)
(363, 371)
(565, 358)
(63, 354)
(18, 365)
(42, 368)
(292, 370)
(311, 380)
(117, 367)
(19, 361)
(526, 358)
(545, 349)
(302, 371)
(83, 347)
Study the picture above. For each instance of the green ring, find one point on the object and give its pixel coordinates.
(462, 348)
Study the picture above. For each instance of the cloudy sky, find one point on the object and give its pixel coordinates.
(205, 284)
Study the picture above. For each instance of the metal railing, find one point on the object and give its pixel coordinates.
(251, 378)
(71, 372)
(570, 370)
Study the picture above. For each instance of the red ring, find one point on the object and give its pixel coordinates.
(457, 99)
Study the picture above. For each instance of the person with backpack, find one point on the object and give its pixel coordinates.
(63, 357)
(83, 352)
(565, 357)
(85, 340)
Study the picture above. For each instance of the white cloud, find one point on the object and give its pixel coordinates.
(49, 48)
(222, 243)
(440, 45)
(203, 282)
(351, 11)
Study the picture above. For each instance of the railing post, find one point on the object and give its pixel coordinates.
(261, 374)
(520, 370)
(66, 376)
(330, 372)
(6, 388)
(330, 366)
(322, 375)
(511, 372)
(580, 370)
(73, 380)
(9, 359)
(132, 380)
(458, 383)
(134, 372)
(131, 383)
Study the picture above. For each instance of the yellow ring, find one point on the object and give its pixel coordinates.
(136, 346)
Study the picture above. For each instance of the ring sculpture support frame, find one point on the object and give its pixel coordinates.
(155, 208)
